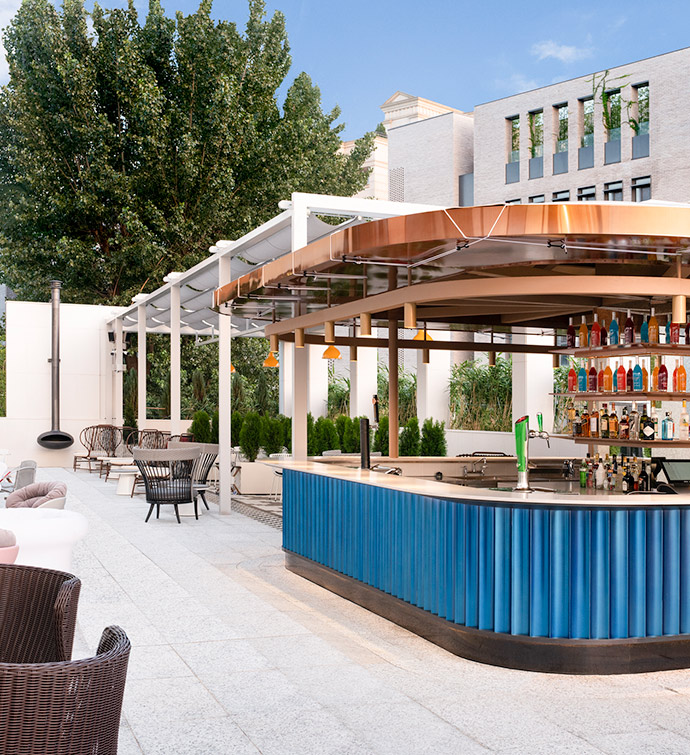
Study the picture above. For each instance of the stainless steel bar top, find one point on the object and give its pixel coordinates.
(444, 490)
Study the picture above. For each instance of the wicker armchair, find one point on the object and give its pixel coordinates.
(203, 466)
(38, 611)
(168, 477)
(67, 708)
(88, 439)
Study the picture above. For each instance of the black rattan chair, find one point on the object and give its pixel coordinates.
(66, 708)
(202, 468)
(168, 476)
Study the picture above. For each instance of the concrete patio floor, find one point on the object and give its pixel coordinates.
(233, 654)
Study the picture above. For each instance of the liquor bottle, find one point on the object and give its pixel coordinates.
(604, 423)
(629, 330)
(600, 379)
(577, 425)
(681, 379)
(570, 334)
(615, 378)
(654, 417)
(687, 332)
(600, 475)
(571, 417)
(584, 334)
(629, 377)
(675, 332)
(628, 481)
(582, 379)
(583, 474)
(684, 425)
(655, 374)
(592, 379)
(624, 425)
(653, 329)
(668, 329)
(620, 372)
(613, 422)
(674, 378)
(663, 375)
(643, 479)
(637, 375)
(590, 472)
(635, 471)
(584, 424)
(644, 331)
(634, 420)
(613, 332)
(645, 377)
(608, 379)
(604, 337)
(594, 423)
(595, 333)
(668, 427)
(572, 379)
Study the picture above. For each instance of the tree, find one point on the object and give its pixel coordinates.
(201, 427)
(250, 436)
(409, 438)
(127, 149)
(433, 439)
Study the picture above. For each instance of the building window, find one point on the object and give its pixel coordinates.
(561, 196)
(587, 194)
(513, 201)
(641, 118)
(537, 199)
(536, 133)
(514, 139)
(641, 189)
(588, 122)
(613, 192)
(611, 102)
(562, 126)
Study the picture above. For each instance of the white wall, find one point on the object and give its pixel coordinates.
(85, 370)
(468, 441)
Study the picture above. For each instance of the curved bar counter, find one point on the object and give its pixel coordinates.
(539, 581)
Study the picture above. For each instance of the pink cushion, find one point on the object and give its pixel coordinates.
(35, 494)
(8, 555)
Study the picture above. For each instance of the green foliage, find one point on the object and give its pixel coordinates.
(560, 403)
(410, 439)
(215, 427)
(238, 393)
(250, 436)
(287, 432)
(407, 392)
(199, 386)
(259, 384)
(381, 437)
(265, 394)
(481, 396)
(350, 443)
(129, 398)
(312, 446)
(338, 396)
(201, 427)
(341, 424)
(236, 420)
(126, 149)
(271, 435)
(326, 436)
(433, 439)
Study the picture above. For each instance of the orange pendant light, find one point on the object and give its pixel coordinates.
(271, 361)
(331, 353)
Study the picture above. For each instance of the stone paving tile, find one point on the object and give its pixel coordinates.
(234, 654)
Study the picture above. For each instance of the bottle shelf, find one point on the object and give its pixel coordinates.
(637, 349)
(627, 397)
(631, 443)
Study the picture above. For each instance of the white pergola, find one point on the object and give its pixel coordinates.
(183, 305)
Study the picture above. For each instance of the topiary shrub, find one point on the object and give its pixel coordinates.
(410, 439)
(271, 435)
(236, 420)
(350, 443)
(433, 439)
(312, 445)
(201, 427)
(326, 435)
(381, 437)
(215, 427)
(286, 422)
(250, 436)
(341, 423)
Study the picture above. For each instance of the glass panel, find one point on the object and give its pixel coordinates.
(612, 114)
(562, 136)
(536, 134)
(643, 109)
(588, 122)
(514, 152)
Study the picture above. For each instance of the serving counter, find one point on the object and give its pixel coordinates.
(545, 581)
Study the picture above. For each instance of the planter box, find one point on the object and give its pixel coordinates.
(255, 477)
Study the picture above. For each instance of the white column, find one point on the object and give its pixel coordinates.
(533, 381)
(300, 401)
(141, 366)
(458, 357)
(318, 380)
(363, 382)
(118, 370)
(175, 391)
(285, 377)
(224, 396)
(432, 382)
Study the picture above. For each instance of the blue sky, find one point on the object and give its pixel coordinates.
(457, 53)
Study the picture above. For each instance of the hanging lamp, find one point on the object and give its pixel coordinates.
(271, 361)
(331, 353)
(232, 368)
(422, 335)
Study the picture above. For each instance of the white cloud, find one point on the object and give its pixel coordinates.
(564, 53)
(7, 10)
(516, 83)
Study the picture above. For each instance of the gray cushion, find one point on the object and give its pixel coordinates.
(35, 495)
(7, 538)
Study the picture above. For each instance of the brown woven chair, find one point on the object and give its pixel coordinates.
(38, 611)
(88, 439)
(168, 476)
(67, 708)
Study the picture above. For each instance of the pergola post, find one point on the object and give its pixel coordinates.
(141, 366)
(285, 371)
(118, 409)
(175, 366)
(224, 396)
(300, 402)
(393, 423)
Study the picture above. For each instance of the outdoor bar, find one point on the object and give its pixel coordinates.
(550, 577)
